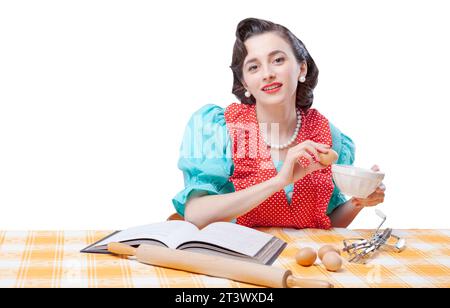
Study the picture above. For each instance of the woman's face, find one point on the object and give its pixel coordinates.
(270, 60)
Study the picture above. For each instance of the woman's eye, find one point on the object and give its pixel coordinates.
(277, 60)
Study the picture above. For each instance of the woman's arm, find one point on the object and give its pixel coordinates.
(345, 213)
(204, 210)
(343, 216)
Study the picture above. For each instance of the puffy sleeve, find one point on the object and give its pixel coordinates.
(205, 156)
(345, 148)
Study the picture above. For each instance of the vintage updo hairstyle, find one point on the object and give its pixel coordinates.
(252, 26)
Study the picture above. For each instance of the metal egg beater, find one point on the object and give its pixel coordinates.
(359, 249)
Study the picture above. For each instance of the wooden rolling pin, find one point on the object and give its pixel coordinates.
(216, 266)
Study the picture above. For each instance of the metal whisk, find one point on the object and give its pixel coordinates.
(359, 248)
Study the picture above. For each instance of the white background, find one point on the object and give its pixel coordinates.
(95, 95)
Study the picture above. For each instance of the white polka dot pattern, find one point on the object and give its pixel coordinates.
(311, 194)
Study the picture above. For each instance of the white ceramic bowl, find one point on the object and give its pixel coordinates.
(356, 182)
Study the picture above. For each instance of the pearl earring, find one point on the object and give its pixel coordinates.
(247, 94)
(302, 79)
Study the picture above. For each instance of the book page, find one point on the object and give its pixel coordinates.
(172, 233)
(233, 236)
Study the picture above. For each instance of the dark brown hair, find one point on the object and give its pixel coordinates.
(252, 26)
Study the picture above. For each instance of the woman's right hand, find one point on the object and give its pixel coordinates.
(292, 171)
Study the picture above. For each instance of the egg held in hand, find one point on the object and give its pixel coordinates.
(329, 158)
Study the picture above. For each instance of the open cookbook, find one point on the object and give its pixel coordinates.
(219, 238)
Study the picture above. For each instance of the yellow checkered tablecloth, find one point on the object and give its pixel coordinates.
(52, 259)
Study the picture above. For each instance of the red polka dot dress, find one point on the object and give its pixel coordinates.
(253, 164)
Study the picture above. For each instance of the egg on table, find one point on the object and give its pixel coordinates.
(306, 256)
(332, 261)
(325, 248)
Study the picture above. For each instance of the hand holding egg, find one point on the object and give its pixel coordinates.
(301, 160)
(329, 158)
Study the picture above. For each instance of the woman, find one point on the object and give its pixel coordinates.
(256, 161)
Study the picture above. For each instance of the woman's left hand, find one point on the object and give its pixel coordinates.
(373, 199)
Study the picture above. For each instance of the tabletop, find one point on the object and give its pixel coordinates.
(52, 259)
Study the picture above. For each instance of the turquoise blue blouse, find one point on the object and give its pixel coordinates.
(207, 164)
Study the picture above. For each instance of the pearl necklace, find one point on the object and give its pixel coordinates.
(293, 138)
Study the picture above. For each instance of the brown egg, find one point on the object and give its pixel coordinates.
(332, 261)
(306, 256)
(327, 159)
(325, 248)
